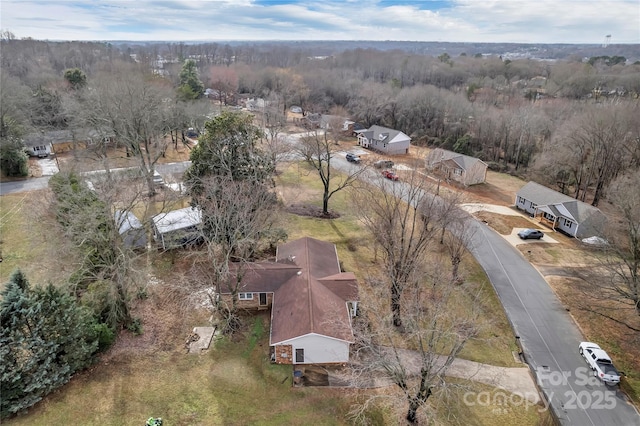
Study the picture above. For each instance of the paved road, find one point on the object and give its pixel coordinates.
(546, 332)
(548, 337)
(24, 185)
(42, 182)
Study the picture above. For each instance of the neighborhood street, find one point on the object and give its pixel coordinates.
(548, 337)
(545, 331)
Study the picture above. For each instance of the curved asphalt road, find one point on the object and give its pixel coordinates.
(548, 337)
(547, 334)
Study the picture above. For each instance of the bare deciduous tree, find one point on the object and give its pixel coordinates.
(318, 151)
(132, 109)
(620, 259)
(435, 330)
(239, 220)
(403, 220)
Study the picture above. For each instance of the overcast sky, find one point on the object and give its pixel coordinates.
(521, 21)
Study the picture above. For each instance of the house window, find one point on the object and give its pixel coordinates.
(567, 223)
(245, 296)
(520, 200)
(534, 205)
(457, 172)
(299, 355)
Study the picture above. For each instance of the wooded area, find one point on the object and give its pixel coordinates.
(570, 124)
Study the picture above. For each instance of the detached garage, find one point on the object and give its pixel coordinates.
(178, 228)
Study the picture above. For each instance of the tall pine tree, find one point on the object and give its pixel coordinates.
(45, 337)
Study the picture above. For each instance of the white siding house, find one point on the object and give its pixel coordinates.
(383, 139)
(560, 211)
(316, 348)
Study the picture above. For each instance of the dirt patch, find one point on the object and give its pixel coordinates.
(167, 317)
(498, 189)
(311, 211)
(503, 224)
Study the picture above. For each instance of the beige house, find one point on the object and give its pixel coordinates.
(312, 302)
(460, 168)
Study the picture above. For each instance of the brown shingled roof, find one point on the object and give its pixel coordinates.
(304, 305)
(310, 291)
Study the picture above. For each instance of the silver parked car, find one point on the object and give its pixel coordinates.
(530, 234)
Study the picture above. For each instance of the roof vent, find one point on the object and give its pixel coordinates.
(299, 272)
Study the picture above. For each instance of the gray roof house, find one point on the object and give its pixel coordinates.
(130, 229)
(178, 228)
(461, 168)
(383, 139)
(56, 141)
(560, 211)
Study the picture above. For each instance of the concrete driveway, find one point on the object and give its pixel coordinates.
(514, 240)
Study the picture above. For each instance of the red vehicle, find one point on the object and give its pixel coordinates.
(390, 174)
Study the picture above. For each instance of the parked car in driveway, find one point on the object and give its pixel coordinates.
(530, 234)
(352, 158)
(600, 363)
(390, 174)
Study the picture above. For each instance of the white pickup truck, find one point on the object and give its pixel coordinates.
(600, 363)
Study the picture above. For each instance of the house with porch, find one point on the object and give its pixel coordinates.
(461, 168)
(559, 211)
(312, 302)
(383, 139)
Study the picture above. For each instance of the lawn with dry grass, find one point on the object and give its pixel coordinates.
(233, 383)
(298, 183)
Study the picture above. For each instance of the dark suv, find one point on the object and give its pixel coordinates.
(352, 158)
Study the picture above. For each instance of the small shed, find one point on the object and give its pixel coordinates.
(178, 228)
(130, 229)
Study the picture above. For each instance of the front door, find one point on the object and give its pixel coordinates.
(263, 299)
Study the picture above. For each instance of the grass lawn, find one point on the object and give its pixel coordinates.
(234, 383)
(27, 240)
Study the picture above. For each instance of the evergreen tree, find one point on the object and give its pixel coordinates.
(45, 338)
(191, 87)
(76, 78)
(228, 148)
(14, 161)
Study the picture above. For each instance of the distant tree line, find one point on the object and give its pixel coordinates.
(509, 113)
